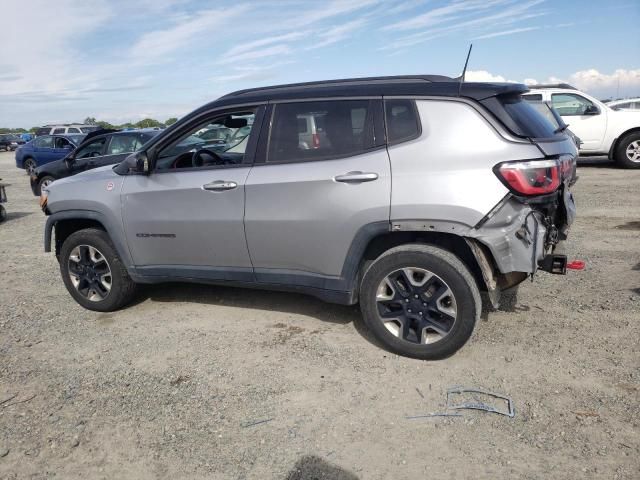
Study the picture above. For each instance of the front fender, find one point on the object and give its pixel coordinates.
(114, 232)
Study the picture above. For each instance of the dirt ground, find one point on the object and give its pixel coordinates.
(175, 385)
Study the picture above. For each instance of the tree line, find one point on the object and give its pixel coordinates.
(144, 123)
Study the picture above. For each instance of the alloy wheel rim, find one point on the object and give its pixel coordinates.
(31, 168)
(90, 273)
(633, 151)
(46, 183)
(416, 305)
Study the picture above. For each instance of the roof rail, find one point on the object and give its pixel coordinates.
(551, 85)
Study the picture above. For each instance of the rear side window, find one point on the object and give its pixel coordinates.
(310, 131)
(530, 122)
(58, 131)
(402, 120)
(74, 130)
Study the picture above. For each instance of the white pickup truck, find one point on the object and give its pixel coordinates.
(603, 130)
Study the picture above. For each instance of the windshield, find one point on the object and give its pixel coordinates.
(75, 139)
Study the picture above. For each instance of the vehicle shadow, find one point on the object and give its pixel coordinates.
(597, 162)
(249, 298)
(311, 467)
(15, 216)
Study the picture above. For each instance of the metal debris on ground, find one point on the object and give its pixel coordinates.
(258, 422)
(435, 414)
(475, 403)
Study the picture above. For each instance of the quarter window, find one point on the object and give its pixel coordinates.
(310, 131)
(569, 104)
(402, 120)
(220, 141)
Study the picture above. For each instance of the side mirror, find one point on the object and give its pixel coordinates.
(591, 110)
(137, 162)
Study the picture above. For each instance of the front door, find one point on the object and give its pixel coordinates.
(584, 118)
(186, 217)
(308, 199)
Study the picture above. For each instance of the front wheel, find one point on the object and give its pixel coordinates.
(30, 166)
(627, 154)
(93, 273)
(420, 301)
(44, 183)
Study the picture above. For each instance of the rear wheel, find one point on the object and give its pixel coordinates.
(420, 301)
(30, 166)
(3, 214)
(627, 154)
(93, 273)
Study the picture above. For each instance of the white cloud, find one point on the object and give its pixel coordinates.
(158, 44)
(338, 33)
(274, 50)
(506, 32)
(484, 76)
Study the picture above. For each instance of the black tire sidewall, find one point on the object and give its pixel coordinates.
(121, 291)
(621, 151)
(458, 282)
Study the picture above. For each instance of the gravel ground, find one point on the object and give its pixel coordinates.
(172, 387)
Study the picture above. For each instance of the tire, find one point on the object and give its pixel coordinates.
(627, 154)
(43, 181)
(30, 165)
(83, 271)
(3, 214)
(449, 292)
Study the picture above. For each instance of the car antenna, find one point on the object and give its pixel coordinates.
(464, 70)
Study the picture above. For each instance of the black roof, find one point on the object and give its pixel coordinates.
(418, 85)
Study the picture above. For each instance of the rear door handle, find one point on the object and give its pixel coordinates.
(219, 186)
(356, 177)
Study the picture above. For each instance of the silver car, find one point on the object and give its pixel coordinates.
(421, 193)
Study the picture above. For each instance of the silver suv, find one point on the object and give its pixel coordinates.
(420, 194)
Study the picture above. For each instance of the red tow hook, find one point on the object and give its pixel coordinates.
(576, 265)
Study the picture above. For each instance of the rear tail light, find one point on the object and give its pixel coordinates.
(315, 138)
(534, 177)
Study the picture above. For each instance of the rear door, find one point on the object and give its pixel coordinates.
(185, 219)
(307, 201)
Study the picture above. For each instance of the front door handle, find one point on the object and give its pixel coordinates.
(356, 177)
(219, 186)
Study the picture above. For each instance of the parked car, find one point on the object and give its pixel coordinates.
(425, 193)
(631, 104)
(602, 130)
(99, 148)
(66, 129)
(45, 149)
(10, 142)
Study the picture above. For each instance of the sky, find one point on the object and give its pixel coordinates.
(124, 60)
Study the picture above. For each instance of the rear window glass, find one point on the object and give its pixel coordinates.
(528, 119)
(402, 120)
(311, 131)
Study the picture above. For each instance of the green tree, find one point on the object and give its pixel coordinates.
(103, 124)
(171, 121)
(148, 123)
(90, 121)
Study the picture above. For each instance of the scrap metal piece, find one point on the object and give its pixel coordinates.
(436, 414)
(478, 405)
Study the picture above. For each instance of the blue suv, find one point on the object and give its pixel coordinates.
(45, 149)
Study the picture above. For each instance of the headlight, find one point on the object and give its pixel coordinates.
(43, 199)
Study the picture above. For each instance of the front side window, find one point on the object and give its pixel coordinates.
(310, 131)
(402, 120)
(221, 140)
(61, 142)
(44, 142)
(569, 104)
(58, 131)
(92, 149)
